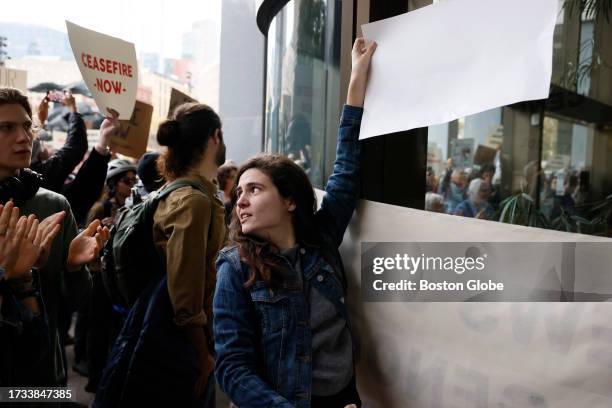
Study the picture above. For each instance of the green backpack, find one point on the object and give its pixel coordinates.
(130, 261)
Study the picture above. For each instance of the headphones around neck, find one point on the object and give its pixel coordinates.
(20, 188)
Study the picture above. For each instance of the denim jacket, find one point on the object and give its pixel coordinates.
(263, 340)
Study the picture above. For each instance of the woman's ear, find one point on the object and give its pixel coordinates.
(290, 205)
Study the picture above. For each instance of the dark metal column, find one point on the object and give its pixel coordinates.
(393, 166)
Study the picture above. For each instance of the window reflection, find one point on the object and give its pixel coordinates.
(540, 164)
(566, 170)
(302, 107)
(502, 165)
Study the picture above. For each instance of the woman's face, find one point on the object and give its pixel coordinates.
(261, 209)
(125, 184)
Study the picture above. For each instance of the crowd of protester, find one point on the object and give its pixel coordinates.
(240, 282)
(460, 192)
(472, 192)
(241, 286)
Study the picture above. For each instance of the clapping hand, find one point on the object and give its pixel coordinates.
(50, 226)
(22, 241)
(86, 246)
(12, 230)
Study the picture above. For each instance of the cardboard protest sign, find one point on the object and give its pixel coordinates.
(108, 66)
(484, 155)
(462, 152)
(14, 78)
(177, 98)
(133, 137)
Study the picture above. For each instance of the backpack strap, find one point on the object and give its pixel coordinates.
(176, 185)
(164, 192)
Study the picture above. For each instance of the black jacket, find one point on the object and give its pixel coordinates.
(86, 188)
(24, 341)
(56, 168)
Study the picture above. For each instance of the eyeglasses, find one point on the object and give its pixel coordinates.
(130, 181)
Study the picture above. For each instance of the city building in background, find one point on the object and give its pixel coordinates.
(175, 50)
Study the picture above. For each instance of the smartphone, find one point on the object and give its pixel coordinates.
(55, 96)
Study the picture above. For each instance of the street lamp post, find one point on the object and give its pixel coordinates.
(3, 54)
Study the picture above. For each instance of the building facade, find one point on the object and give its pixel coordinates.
(550, 161)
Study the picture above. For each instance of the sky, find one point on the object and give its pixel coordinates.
(153, 25)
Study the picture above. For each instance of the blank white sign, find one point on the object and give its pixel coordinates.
(457, 58)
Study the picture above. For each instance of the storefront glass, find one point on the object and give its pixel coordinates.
(529, 164)
(303, 85)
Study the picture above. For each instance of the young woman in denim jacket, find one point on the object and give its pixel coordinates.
(282, 332)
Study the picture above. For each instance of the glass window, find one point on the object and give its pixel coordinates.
(585, 55)
(529, 166)
(567, 164)
(564, 44)
(302, 77)
(460, 151)
(504, 165)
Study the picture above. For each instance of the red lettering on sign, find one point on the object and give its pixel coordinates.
(117, 87)
(104, 85)
(106, 65)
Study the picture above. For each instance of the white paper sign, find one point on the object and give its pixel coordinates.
(108, 66)
(457, 58)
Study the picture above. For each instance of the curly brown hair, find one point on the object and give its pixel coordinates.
(12, 96)
(291, 182)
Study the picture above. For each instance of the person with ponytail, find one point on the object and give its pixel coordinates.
(164, 353)
(189, 228)
(282, 331)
